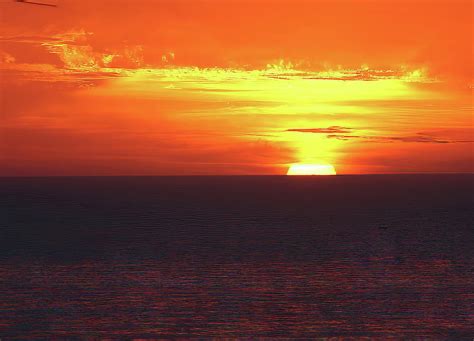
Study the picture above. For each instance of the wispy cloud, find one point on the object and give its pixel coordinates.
(328, 130)
(76, 54)
(417, 138)
(345, 134)
(79, 57)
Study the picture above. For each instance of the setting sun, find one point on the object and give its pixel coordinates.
(299, 169)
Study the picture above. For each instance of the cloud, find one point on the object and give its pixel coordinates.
(74, 50)
(78, 58)
(168, 57)
(418, 138)
(6, 58)
(76, 54)
(344, 134)
(328, 130)
(129, 57)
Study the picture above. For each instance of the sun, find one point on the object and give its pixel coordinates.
(311, 169)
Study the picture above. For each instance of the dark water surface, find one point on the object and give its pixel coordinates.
(292, 257)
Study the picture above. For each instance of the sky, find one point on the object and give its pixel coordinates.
(235, 87)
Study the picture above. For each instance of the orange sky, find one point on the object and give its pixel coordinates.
(235, 87)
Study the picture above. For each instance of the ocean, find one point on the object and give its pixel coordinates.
(237, 256)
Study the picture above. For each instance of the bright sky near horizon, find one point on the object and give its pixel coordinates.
(235, 87)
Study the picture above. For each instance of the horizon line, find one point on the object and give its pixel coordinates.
(234, 175)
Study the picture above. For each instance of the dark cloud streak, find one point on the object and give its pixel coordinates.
(344, 134)
(419, 138)
(328, 130)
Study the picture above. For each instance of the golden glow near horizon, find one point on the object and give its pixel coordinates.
(89, 95)
(302, 169)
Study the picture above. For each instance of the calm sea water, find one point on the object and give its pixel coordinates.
(289, 257)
